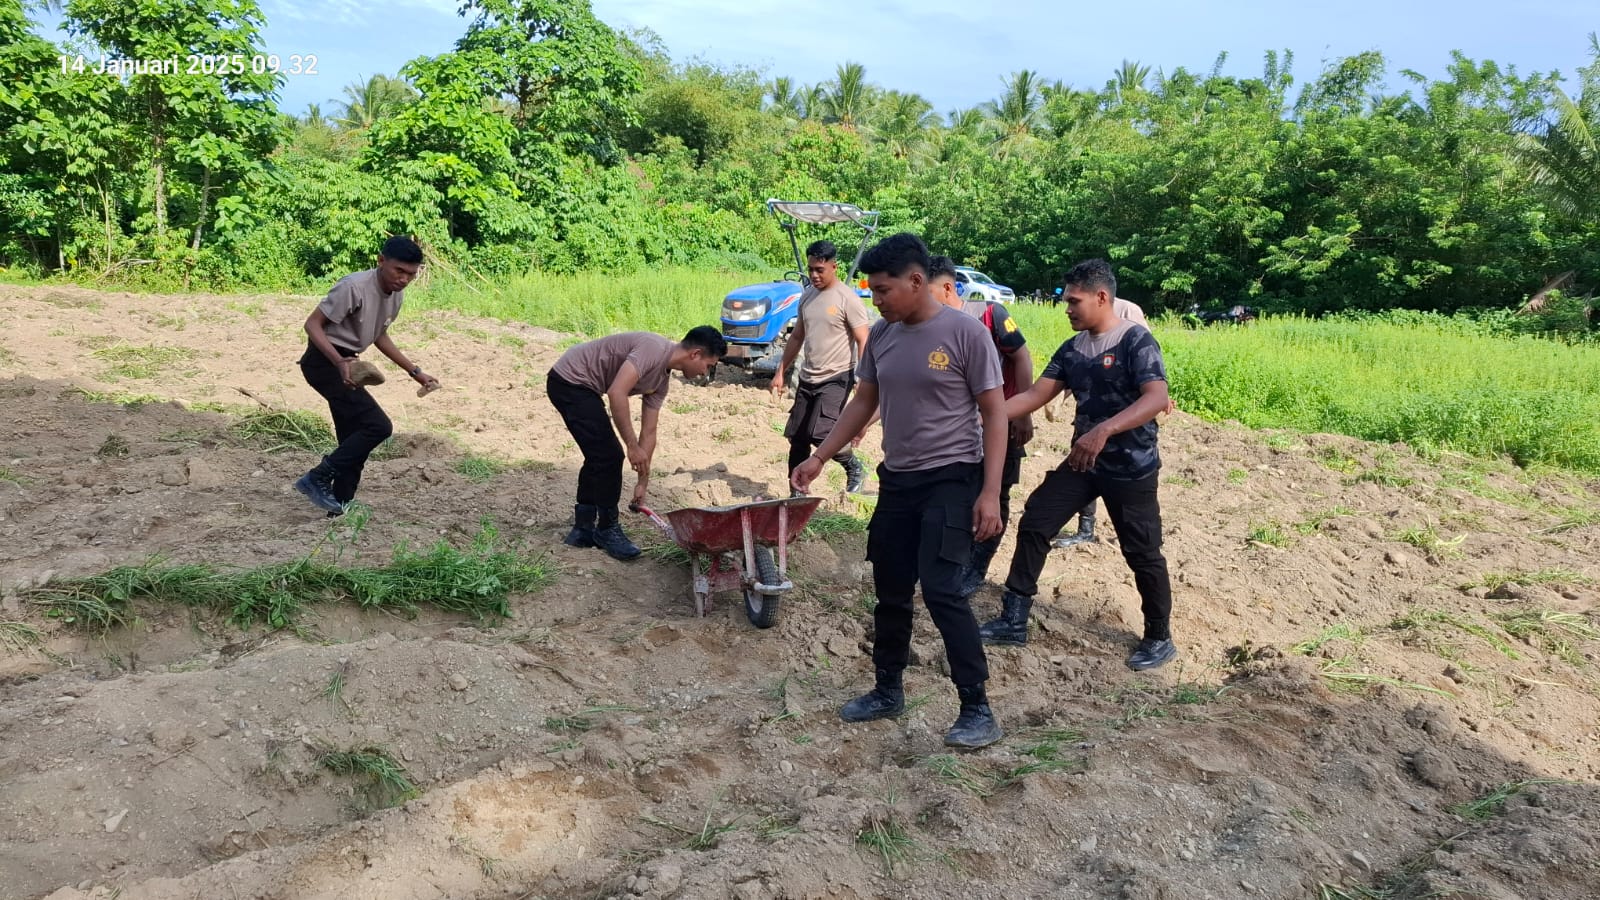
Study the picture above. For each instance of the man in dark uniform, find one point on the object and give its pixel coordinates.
(831, 326)
(356, 315)
(1016, 366)
(1118, 378)
(933, 374)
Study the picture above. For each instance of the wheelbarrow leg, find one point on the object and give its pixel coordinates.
(699, 583)
(751, 574)
(783, 542)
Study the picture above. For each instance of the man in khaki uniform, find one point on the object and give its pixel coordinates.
(832, 328)
(606, 372)
(356, 315)
(936, 375)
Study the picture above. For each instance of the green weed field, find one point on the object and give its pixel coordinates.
(1433, 382)
(1430, 381)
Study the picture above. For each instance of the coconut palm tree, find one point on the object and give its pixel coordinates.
(903, 123)
(1130, 80)
(377, 98)
(789, 100)
(1019, 112)
(1565, 160)
(971, 122)
(847, 100)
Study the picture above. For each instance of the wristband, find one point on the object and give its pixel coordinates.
(415, 371)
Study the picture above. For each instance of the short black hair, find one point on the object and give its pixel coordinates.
(941, 267)
(708, 339)
(823, 250)
(402, 249)
(895, 255)
(1091, 273)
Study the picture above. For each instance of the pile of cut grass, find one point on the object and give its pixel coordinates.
(477, 581)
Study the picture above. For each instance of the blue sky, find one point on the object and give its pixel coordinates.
(957, 52)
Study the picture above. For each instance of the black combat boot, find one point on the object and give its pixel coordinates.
(1011, 629)
(974, 573)
(886, 700)
(1152, 653)
(608, 536)
(855, 475)
(582, 533)
(317, 486)
(1085, 534)
(976, 726)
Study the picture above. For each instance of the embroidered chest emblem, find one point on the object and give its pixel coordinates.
(1108, 360)
(939, 360)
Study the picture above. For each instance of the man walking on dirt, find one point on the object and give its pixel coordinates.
(1016, 366)
(1119, 380)
(631, 364)
(1129, 310)
(935, 377)
(832, 329)
(356, 315)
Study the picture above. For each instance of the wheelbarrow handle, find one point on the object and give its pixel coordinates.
(647, 512)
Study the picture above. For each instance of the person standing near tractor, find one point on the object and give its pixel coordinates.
(1016, 366)
(934, 375)
(356, 315)
(831, 327)
(1116, 373)
(631, 364)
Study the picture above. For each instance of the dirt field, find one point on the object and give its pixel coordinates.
(1371, 644)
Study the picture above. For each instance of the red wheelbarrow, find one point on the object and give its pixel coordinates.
(714, 536)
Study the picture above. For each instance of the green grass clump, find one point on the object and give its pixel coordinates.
(1492, 803)
(1497, 580)
(129, 361)
(478, 469)
(834, 524)
(1268, 533)
(19, 635)
(887, 840)
(477, 580)
(386, 781)
(668, 301)
(274, 431)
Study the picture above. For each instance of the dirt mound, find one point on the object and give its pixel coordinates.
(1387, 675)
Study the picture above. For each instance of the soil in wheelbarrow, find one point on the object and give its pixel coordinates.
(1386, 687)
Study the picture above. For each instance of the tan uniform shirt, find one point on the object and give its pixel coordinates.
(830, 318)
(358, 311)
(595, 364)
(1129, 310)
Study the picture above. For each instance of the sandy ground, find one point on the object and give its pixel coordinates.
(1337, 700)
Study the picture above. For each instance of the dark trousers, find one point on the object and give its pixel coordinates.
(1136, 514)
(359, 423)
(600, 478)
(816, 410)
(922, 531)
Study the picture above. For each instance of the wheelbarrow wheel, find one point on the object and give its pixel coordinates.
(762, 609)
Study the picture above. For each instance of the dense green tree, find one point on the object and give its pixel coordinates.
(216, 125)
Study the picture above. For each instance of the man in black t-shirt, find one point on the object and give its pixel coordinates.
(1119, 380)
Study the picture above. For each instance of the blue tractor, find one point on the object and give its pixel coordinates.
(757, 318)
